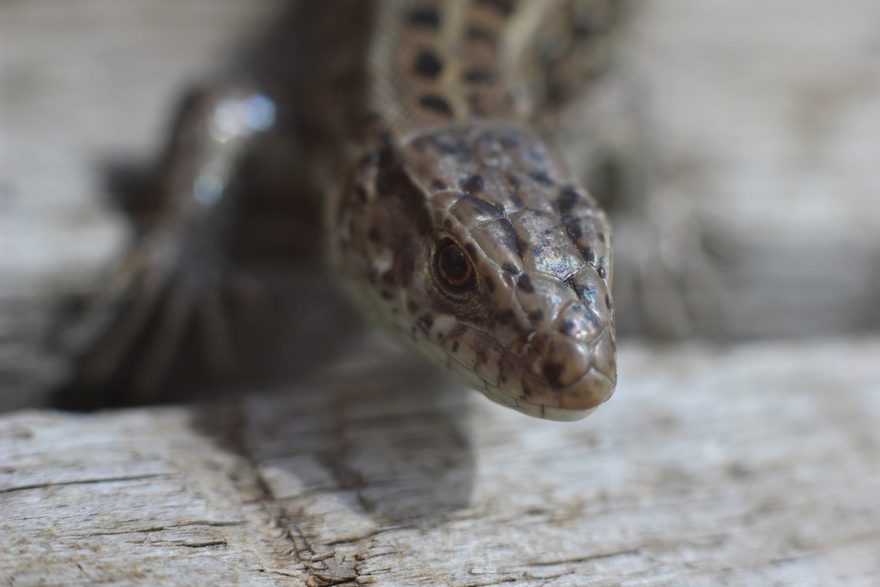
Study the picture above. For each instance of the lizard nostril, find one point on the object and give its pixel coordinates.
(557, 359)
(552, 372)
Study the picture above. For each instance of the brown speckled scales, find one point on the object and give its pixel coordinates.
(421, 125)
(450, 178)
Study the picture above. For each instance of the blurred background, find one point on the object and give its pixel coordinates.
(753, 127)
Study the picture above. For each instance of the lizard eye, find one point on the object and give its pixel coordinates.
(452, 267)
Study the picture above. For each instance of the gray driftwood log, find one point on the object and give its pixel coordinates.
(758, 465)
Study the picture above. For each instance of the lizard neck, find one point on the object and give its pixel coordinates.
(445, 61)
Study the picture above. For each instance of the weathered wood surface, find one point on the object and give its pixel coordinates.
(758, 465)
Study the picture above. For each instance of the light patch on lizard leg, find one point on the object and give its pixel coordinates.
(383, 261)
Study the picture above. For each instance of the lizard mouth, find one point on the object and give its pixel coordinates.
(568, 404)
(546, 374)
(563, 378)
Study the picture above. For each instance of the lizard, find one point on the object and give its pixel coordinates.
(424, 132)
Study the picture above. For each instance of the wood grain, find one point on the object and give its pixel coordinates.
(756, 465)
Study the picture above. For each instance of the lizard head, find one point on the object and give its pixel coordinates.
(476, 247)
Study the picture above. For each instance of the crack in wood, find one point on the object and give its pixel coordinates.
(205, 544)
(152, 529)
(354, 539)
(584, 559)
(313, 562)
(502, 581)
(86, 482)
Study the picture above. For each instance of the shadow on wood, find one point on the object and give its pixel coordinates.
(388, 441)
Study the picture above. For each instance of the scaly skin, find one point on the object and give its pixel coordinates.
(535, 329)
(450, 164)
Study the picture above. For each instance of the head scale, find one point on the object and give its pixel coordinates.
(477, 247)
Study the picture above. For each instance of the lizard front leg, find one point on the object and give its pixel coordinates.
(177, 271)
